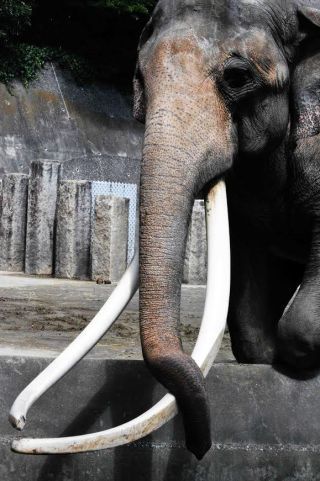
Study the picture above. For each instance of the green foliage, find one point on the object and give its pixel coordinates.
(18, 60)
(94, 39)
(21, 61)
(15, 17)
(139, 7)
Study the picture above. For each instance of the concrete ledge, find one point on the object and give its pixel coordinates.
(265, 425)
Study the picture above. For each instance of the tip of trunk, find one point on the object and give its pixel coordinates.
(182, 377)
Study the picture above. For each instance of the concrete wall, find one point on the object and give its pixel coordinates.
(265, 426)
(89, 129)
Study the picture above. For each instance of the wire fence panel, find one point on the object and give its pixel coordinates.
(128, 191)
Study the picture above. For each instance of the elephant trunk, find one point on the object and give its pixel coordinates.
(188, 142)
(168, 187)
(166, 204)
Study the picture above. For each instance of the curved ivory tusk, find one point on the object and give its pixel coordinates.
(205, 351)
(291, 301)
(88, 338)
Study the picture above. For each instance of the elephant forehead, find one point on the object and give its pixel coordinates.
(186, 52)
(227, 11)
(215, 17)
(176, 57)
(177, 82)
(260, 48)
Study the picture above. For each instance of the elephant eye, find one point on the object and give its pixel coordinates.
(236, 78)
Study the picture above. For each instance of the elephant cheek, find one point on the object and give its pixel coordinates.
(263, 128)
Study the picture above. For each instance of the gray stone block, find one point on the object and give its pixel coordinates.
(73, 236)
(195, 265)
(0, 196)
(42, 200)
(13, 222)
(109, 238)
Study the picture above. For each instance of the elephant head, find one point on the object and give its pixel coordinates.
(212, 86)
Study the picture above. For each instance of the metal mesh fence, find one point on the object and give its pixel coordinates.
(118, 189)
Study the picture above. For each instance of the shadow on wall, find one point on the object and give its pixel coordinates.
(124, 399)
(141, 461)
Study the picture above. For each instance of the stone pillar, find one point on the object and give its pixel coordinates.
(109, 238)
(13, 222)
(42, 200)
(195, 265)
(1, 196)
(73, 236)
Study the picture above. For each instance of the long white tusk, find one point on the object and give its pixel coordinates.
(88, 338)
(205, 351)
(291, 301)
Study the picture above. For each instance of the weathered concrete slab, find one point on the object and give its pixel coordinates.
(195, 264)
(13, 221)
(73, 233)
(109, 241)
(42, 199)
(265, 425)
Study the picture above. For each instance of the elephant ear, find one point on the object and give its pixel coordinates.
(305, 100)
(309, 21)
(139, 107)
(139, 103)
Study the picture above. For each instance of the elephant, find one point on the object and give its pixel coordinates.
(228, 89)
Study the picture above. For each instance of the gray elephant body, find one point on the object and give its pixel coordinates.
(280, 245)
(230, 88)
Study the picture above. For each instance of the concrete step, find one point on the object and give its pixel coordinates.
(265, 425)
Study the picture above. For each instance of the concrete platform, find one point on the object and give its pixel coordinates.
(265, 425)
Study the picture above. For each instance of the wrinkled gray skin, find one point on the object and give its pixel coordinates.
(229, 88)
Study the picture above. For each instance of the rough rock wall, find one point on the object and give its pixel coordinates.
(89, 129)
